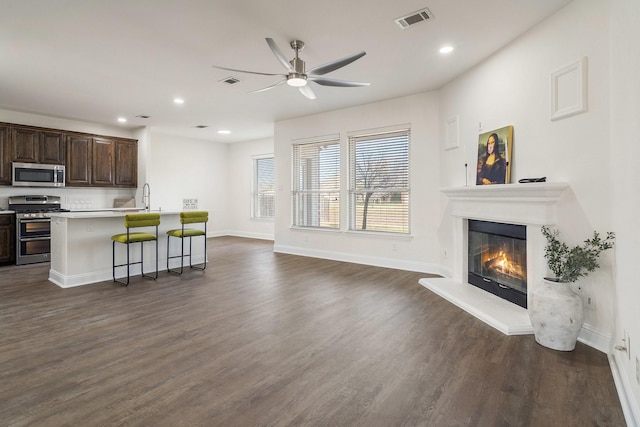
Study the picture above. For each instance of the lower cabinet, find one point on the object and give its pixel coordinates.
(7, 238)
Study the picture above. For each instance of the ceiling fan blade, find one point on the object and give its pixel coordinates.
(334, 65)
(338, 83)
(306, 91)
(269, 87)
(248, 72)
(278, 54)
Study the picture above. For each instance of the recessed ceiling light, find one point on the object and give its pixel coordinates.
(224, 132)
(122, 120)
(178, 101)
(446, 49)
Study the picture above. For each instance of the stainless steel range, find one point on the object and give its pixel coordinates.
(33, 227)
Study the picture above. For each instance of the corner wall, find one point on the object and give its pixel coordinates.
(514, 88)
(241, 157)
(624, 22)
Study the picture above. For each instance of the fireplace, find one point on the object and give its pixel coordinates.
(497, 259)
(530, 205)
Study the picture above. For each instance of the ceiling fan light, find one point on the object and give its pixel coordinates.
(296, 80)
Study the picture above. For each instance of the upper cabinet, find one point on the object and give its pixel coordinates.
(32, 145)
(126, 163)
(52, 147)
(5, 155)
(24, 145)
(103, 164)
(90, 160)
(78, 164)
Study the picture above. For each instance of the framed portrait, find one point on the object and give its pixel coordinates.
(494, 156)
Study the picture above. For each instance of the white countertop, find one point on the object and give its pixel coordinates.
(3, 212)
(108, 213)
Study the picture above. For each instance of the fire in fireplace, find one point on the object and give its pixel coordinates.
(498, 259)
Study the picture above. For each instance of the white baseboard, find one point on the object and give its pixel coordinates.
(594, 338)
(250, 235)
(71, 281)
(359, 259)
(625, 392)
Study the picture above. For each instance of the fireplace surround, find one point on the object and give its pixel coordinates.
(531, 205)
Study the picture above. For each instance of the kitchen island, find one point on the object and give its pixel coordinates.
(81, 248)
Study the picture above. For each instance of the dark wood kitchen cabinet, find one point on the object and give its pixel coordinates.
(90, 160)
(24, 144)
(126, 157)
(5, 156)
(52, 147)
(7, 238)
(103, 166)
(33, 145)
(78, 164)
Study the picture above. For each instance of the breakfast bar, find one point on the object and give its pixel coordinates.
(81, 248)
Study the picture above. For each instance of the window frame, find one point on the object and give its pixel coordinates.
(313, 218)
(256, 192)
(353, 138)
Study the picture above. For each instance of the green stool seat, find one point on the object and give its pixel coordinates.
(191, 217)
(129, 238)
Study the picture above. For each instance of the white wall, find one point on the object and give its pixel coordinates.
(595, 152)
(513, 88)
(624, 22)
(418, 252)
(241, 156)
(180, 168)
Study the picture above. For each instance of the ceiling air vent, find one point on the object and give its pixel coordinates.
(230, 80)
(413, 18)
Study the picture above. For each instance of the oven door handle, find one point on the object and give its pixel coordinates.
(24, 220)
(33, 239)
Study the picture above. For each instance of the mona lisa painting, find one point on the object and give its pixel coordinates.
(494, 156)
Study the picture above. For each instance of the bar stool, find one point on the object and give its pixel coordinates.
(129, 238)
(191, 217)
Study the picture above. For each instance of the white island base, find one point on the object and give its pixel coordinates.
(81, 248)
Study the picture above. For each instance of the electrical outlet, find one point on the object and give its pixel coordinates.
(590, 303)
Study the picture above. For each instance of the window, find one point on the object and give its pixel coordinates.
(316, 184)
(379, 182)
(264, 187)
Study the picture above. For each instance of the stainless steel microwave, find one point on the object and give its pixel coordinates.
(37, 175)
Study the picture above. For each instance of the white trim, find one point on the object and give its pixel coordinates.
(569, 90)
(359, 259)
(625, 391)
(594, 338)
(452, 131)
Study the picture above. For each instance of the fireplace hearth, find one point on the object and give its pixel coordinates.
(497, 259)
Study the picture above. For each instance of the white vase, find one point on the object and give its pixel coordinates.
(556, 315)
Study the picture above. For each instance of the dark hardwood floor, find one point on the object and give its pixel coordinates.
(264, 339)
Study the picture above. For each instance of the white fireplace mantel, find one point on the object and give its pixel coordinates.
(532, 205)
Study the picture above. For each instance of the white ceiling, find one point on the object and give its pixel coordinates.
(96, 60)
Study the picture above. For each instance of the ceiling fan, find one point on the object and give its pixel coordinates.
(297, 76)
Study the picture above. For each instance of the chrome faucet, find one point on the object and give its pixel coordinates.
(146, 196)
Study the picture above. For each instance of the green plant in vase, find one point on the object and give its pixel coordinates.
(569, 264)
(556, 309)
